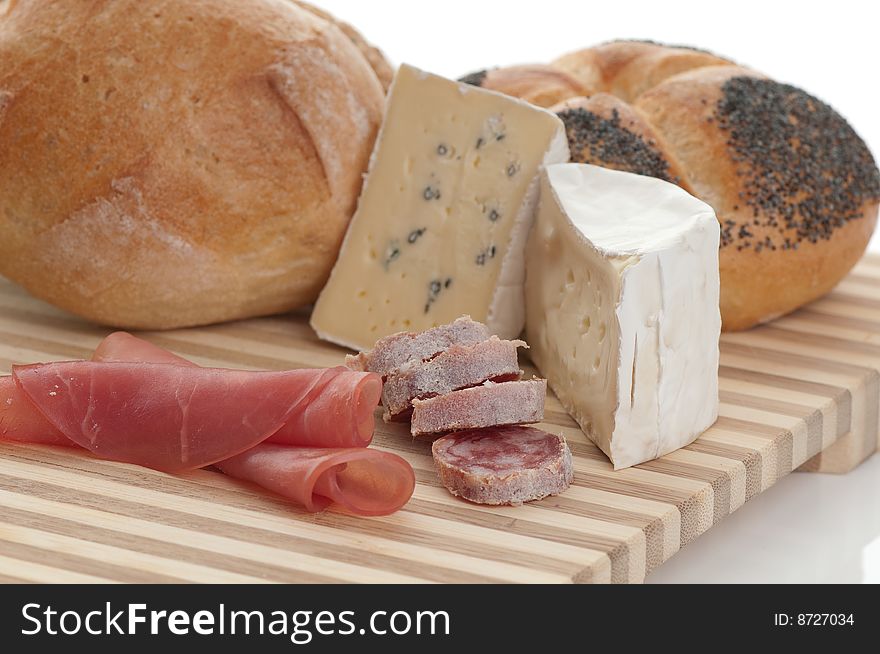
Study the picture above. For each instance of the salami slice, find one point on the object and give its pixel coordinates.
(458, 367)
(489, 405)
(393, 351)
(504, 465)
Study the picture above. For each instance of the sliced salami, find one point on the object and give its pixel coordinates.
(504, 465)
(461, 366)
(391, 352)
(489, 405)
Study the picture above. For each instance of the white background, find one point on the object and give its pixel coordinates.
(808, 528)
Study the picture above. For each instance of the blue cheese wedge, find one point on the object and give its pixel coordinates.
(442, 222)
(622, 296)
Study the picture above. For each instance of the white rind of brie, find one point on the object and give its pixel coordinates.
(622, 303)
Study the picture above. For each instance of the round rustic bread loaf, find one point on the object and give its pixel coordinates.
(794, 187)
(165, 163)
(374, 56)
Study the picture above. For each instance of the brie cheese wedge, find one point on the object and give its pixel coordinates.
(622, 303)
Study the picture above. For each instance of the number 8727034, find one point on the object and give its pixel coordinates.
(825, 619)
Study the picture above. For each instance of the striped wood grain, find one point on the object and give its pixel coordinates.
(802, 392)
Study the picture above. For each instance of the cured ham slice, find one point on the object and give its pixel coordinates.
(363, 481)
(170, 417)
(337, 412)
(122, 347)
(138, 403)
(21, 422)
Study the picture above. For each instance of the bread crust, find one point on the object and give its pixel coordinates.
(539, 84)
(795, 189)
(758, 284)
(374, 56)
(646, 154)
(170, 164)
(626, 69)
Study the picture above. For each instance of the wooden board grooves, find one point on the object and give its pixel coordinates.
(804, 390)
(216, 521)
(751, 460)
(101, 514)
(35, 537)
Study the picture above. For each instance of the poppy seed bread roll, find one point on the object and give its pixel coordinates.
(166, 164)
(794, 187)
(543, 86)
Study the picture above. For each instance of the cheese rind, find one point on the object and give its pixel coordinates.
(622, 298)
(444, 215)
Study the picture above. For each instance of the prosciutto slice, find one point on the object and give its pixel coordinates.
(337, 412)
(170, 417)
(363, 481)
(163, 411)
(122, 347)
(20, 421)
(132, 386)
(323, 408)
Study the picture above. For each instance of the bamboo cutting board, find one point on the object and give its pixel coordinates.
(804, 385)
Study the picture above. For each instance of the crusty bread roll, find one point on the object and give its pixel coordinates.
(372, 54)
(794, 187)
(626, 69)
(604, 128)
(165, 163)
(543, 86)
